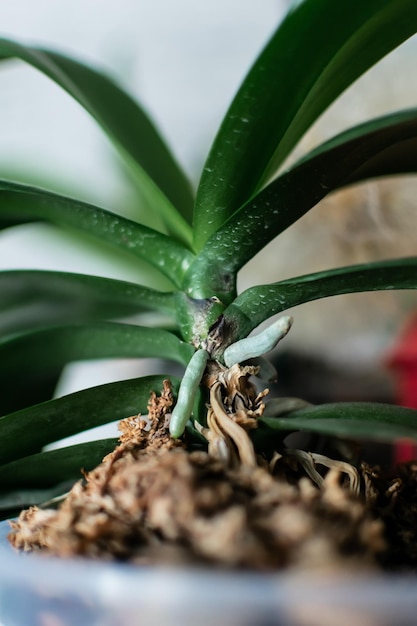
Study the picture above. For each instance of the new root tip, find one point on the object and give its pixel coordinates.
(186, 394)
(257, 345)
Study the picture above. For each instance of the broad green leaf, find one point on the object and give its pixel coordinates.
(356, 420)
(38, 389)
(381, 147)
(41, 298)
(47, 469)
(127, 125)
(13, 501)
(25, 432)
(319, 49)
(19, 203)
(34, 353)
(257, 304)
(33, 360)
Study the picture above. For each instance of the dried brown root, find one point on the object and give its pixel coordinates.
(234, 407)
(204, 512)
(139, 437)
(308, 462)
(393, 498)
(152, 500)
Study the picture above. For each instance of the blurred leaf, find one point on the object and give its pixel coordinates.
(126, 124)
(20, 203)
(34, 352)
(381, 147)
(25, 432)
(357, 420)
(257, 304)
(40, 298)
(12, 502)
(47, 469)
(36, 390)
(321, 47)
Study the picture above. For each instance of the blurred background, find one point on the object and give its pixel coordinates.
(184, 62)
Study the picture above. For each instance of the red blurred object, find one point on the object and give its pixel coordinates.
(402, 359)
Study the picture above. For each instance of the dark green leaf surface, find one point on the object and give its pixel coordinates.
(47, 469)
(33, 353)
(26, 432)
(320, 49)
(38, 389)
(41, 298)
(257, 304)
(126, 124)
(13, 501)
(361, 420)
(19, 203)
(381, 147)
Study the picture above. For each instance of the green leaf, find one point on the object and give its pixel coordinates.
(25, 432)
(47, 469)
(19, 203)
(127, 125)
(40, 298)
(41, 388)
(320, 48)
(257, 304)
(356, 420)
(34, 353)
(13, 501)
(381, 147)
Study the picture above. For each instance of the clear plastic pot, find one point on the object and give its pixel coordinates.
(41, 591)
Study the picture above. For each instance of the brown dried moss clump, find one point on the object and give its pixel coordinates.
(152, 500)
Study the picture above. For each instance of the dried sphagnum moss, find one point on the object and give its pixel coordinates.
(151, 500)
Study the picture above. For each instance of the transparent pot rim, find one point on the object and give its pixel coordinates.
(171, 591)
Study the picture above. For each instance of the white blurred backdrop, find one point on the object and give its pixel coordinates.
(183, 59)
